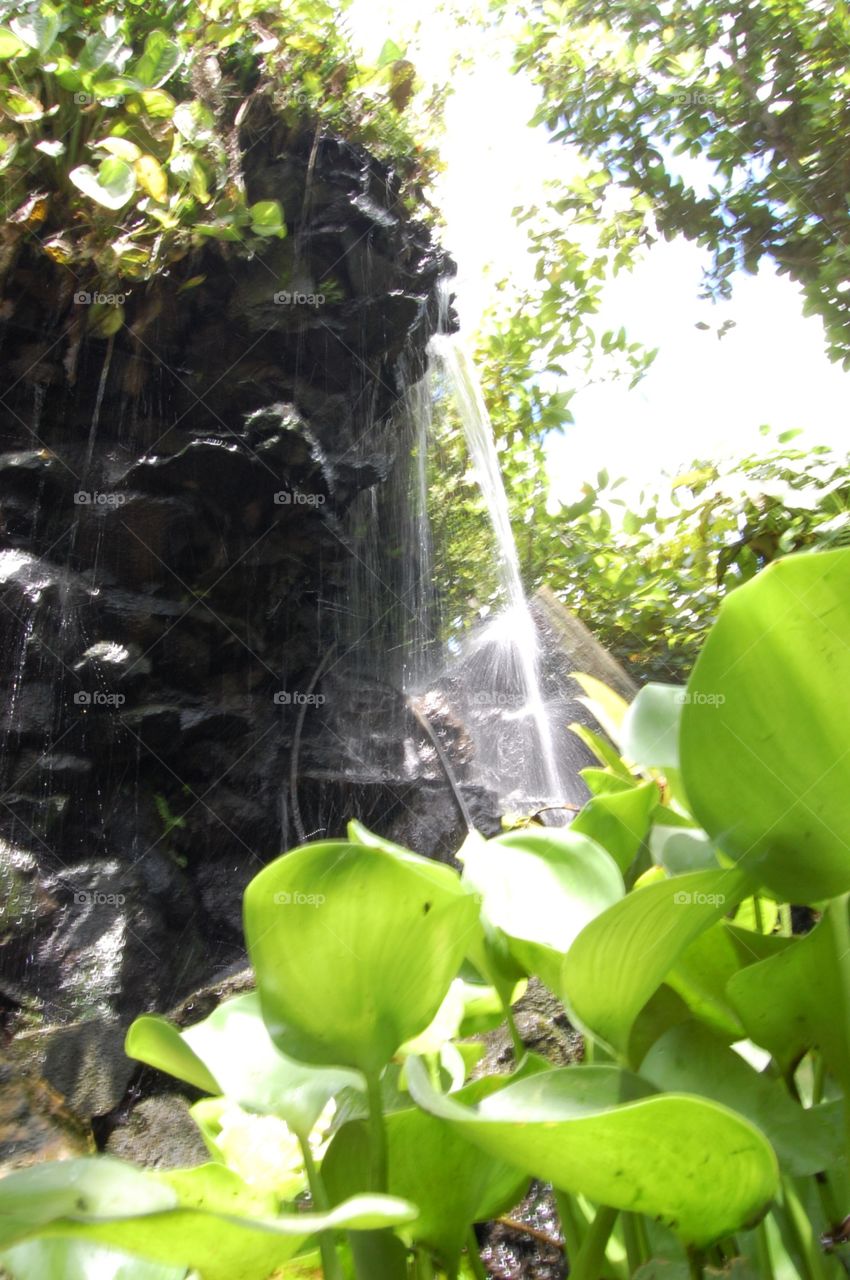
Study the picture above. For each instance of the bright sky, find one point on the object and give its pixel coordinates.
(703, 396)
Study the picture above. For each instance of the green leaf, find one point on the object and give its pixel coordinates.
(797, 1000)
(695, 1166)
(159, 61)
(540, 888)
(79, 1260)
(152, 178)
(38, 28)
(700, 976)
(452, 1181)
(105, 1201)
(619, 960)
(231, 1052)
(21, 107)
(354, 949)
(764, 737)
(267, 219)
(680, 851)
(619, 821)
(10, 45)
(689, 1059)
(651, 726)
(112, 186)
(123, 148)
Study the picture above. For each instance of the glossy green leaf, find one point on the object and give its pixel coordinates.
(107, 1202)
(451, 1180)
(160, 59)
(267, 219)
(354, 949)
(80, 1260)
(10, 45)
(680, 850)
(700, 976)
(619, 960)
(111, 186)
(38, 27)
(797, 999)
(540, 888)
(764, 749)
(600, 1132)
(231, 1053)
(651, 726)
(21, 107)
(689, 1059)
(619, 821)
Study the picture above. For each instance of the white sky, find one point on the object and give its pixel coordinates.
(703, 397)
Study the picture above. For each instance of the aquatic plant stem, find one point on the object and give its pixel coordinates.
(476, 1266)
(377, 1133)
(591, 1255)
(572, 1223)
(331, 1266)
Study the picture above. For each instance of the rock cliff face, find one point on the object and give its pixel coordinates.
(195, 565)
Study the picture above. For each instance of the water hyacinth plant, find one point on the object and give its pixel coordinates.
(705, 1131)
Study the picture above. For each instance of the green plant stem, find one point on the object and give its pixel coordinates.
(424, 1264)
(476, 1266)
(839, 927)
(377, 1133)
(695, 1270)
(516, 1038)
(633, 1242)
(331, 1267)
(757, 911)
(765, 1262)
(818, 1077)
(591, 1255)
(573, 1225)
(800, 1229)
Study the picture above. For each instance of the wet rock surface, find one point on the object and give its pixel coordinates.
(192, 513)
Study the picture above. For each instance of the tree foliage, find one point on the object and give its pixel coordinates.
(725, 122)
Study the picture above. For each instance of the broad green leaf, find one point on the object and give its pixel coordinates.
(79, 1260)
(700, 976)
(689, 1059)
(160, 59)
(194, 122)
(104, 319)
(267, 219)
(218, 1190)
(451, 1180)
(102, 48)
(354, 949)
(123, 148)
(602, 749)
(10, 45)
(651, 726)
(231, 1053)
(764, 737)
(622, 956)
(680, 850)
(540, 888)
(390, 52)
(152, 178)
(112, 186)
(797, 1000)
(158, 104)
(107, 1202)
(38, 28)
(696, 1166)
(619, 821)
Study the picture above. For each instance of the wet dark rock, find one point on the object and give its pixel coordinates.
(84, 1062)
(159, 1133)
(35, 1122)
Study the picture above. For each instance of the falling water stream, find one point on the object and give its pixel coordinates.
(503, 654)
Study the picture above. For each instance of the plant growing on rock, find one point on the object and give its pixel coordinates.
(706, 1130)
